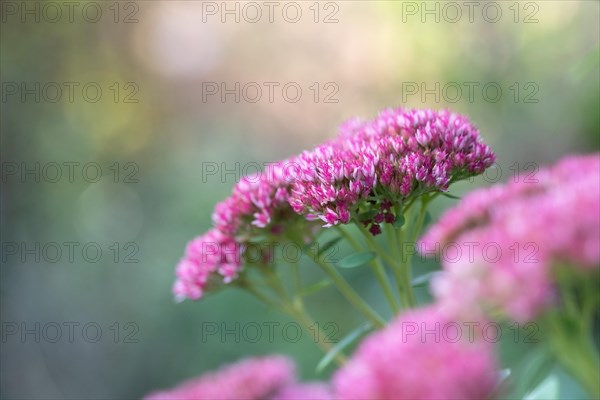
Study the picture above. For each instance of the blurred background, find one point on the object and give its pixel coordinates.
(114, 116)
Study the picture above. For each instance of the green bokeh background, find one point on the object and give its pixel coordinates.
(372, 53)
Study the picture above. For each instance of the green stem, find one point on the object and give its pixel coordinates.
(407, 261)
(396, 265)
(348, 237)
(298, 311)
(570, 331)
(373, 245)
(272, 280)
(576, 352)
(294, 309)
(398, 268)
(300, 314)
(406, 207)
(379, 271)
(262, 297)
(350, 294)
(377, 268)
(296, 278)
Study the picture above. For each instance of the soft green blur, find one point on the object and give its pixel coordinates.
(374, 54)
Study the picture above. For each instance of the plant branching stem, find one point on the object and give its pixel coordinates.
(396, 265)
(378, 270)
(350, 294)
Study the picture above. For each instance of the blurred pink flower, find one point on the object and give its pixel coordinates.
(492, 280)
(534, 225)
(403, 363)
(306, 391)
(249, 379)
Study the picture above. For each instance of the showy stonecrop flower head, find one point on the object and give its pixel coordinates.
(258, 201)
(264, 378)
(257, 208)
(369, 172)
(410, 359)
(210, 260)
(534, 228)
(386, 162)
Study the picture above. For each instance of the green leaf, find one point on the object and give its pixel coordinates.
(327, 245)
(256, 238)
(547, 390)
(427, 218)
(367, 215)
(424, 279)
(503, 374)
(531, 371)
(356, 260)
(450, 196)
(399, 222)
(504, 383)
(311, 289)
(342, 344)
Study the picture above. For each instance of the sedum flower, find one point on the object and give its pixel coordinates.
(533, 226)
(401, 362)
(209, 260)
(329, 180)
(398, 155)
(369, 167)
(257, 205)
(257, 200)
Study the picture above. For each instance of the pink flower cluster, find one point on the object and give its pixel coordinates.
(391, 364)
(537, 225)
(330, 180)
(399, 154)
(255, 201)
(258, 201)
(207, 257)
(266, 378)
(306, 391)
(370, 167)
